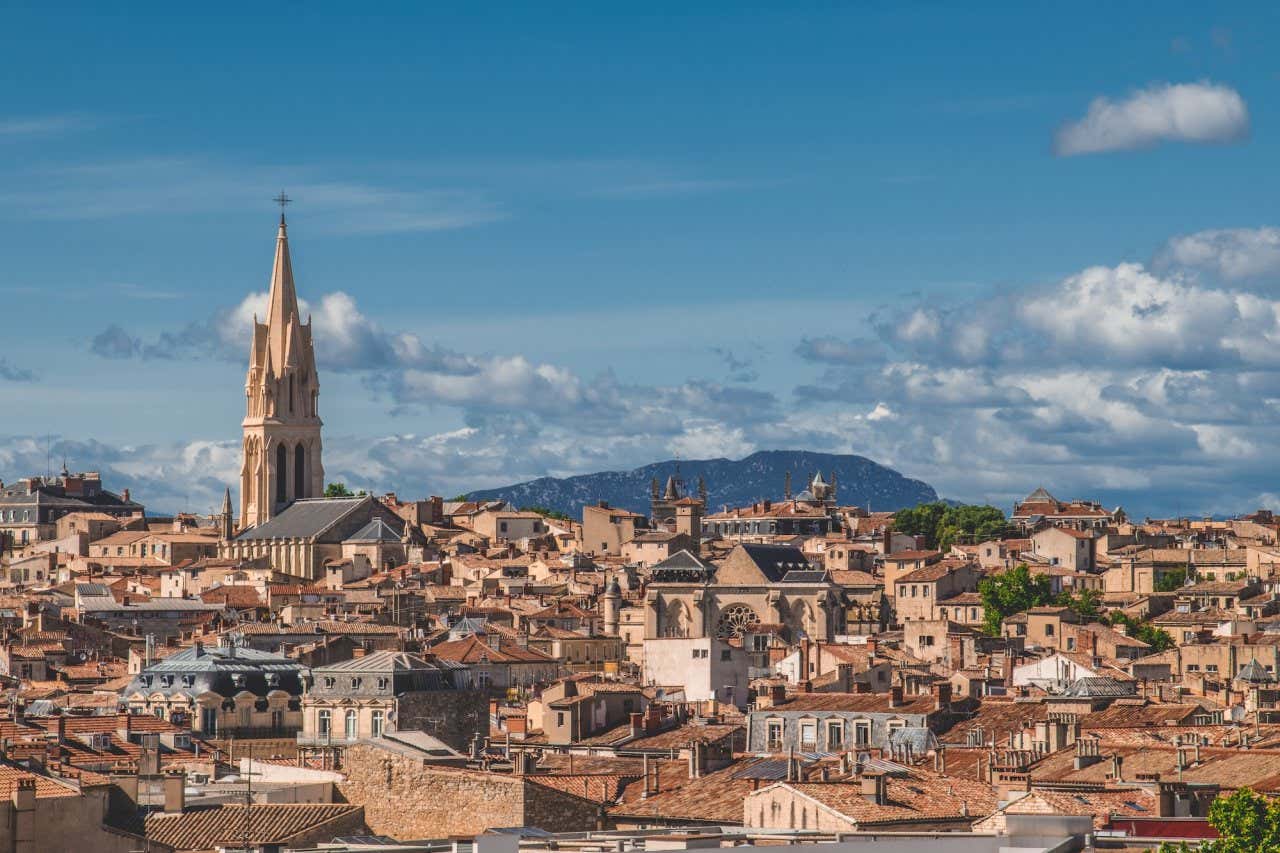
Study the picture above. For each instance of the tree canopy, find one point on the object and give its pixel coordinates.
(1157, 638)
(1246, 823)
(337, 490)
(942, 524)
(1011, 592)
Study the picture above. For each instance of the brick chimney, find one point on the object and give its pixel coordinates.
(942, 696)
(895, 696)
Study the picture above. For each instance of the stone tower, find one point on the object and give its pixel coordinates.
(282, 420)
(610, 606)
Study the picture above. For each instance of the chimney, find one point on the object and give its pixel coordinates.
(1117, 767)
(62, 728)
(942, 696)
(637, 724)
(24, 815)
(895, 696)
(874, 788)
(175, 792)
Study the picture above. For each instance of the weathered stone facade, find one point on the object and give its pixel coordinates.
(453, 716)
(404, 797)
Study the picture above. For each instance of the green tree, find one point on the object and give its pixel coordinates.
(1011, 592)
(1086, 605)
(459, 499)
(1170, 581)
(1158, 639)
(971, 523)
(920, 520)
(337, 490)
(1246, 823)
(942, 525)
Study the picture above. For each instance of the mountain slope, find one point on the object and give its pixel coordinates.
(735, 483)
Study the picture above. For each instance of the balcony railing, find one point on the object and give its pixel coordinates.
(330, 739)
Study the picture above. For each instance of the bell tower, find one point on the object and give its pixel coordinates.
(282, 419)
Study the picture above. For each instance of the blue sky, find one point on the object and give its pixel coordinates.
(598, 238)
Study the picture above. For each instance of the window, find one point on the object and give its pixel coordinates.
(188, 681)
(1071, 644)
(924, 592)
(330, 681)
(1048, 629)
(382, 683)
(773, 735)
(209, 721)
(559, 718)
(324, 722)
(355, 683)
(502, 526)
(809, 735)
(835, 735)
(379, 717)
(351, 726)
(483, 679)
(862, 733)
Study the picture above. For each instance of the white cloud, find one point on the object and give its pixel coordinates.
(48, 125)
(1232, 253)
(1168, 112)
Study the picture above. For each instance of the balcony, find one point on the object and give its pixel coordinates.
(330, 739)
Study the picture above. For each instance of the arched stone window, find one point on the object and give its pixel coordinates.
(299, 472)
(282, 474)
(735, 620)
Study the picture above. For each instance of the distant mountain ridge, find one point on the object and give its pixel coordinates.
(729, 482)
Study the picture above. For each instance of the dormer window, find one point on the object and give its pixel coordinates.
(188, 681)
(166, 681)
(382, 682)
(330, 681)
(355, 683)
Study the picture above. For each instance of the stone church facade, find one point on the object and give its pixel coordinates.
(756, 590)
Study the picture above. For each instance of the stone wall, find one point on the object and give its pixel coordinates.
(454, 716)
(406, 799)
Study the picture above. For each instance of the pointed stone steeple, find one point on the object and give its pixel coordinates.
(282, 421)
(283, 322)
(224, 519)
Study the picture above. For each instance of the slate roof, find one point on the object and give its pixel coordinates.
(221, 670)
(375, 531)
(682, 567)
(775, 561)
(307, 519)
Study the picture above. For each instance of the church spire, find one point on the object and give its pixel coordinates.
(282, 423)
(282, 302)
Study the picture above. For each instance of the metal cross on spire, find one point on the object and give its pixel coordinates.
(282, 200)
